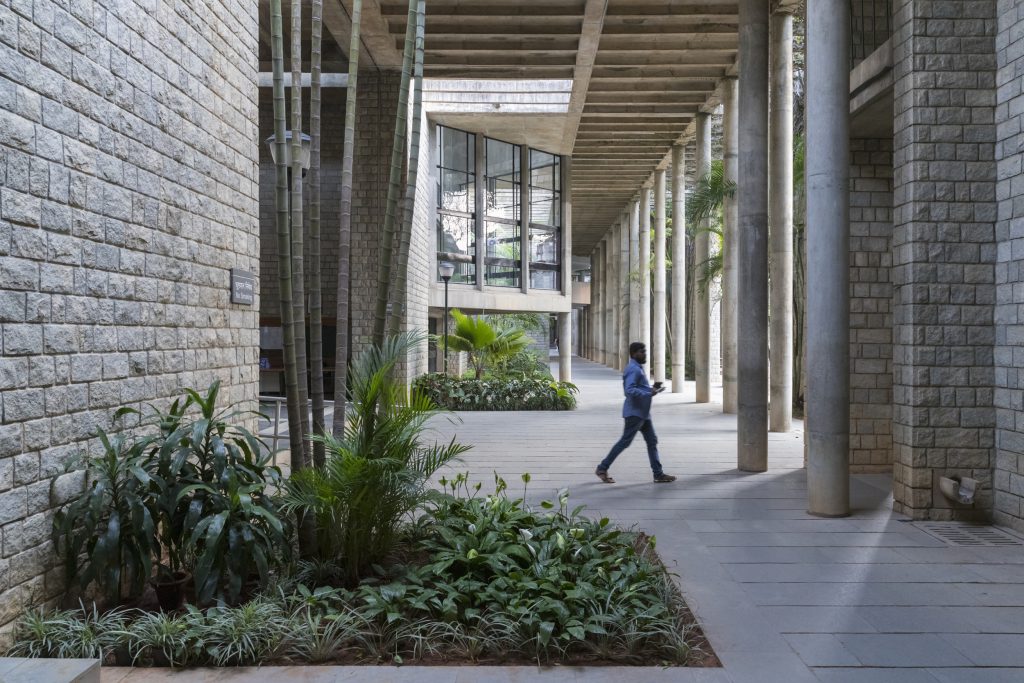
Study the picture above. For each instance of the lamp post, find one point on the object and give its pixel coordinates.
(446, 270)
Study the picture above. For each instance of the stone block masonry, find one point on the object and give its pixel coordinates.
(944, 251)
(1008, 477)
(128, 190)
(871, 305)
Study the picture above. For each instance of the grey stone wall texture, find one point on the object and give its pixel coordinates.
(944, 249)
(871, 305)
(128, 190)
(1008, 480)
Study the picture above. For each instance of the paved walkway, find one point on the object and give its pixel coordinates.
(784, 597)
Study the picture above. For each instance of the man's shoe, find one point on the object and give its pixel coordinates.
(664, 479)
(603, 476)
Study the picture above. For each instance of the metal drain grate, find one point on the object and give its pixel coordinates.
(964, 534)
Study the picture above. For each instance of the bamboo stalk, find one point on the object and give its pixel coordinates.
(316, 334)
(394, 183)
(283, 237)
(341, 337)
(398, 292)
(298, 257)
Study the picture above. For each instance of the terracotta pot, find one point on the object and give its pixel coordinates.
(170, 593)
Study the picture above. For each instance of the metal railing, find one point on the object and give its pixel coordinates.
(872, 26)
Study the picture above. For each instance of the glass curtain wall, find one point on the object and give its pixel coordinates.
(456, 202)
(502, 197)
(545, 220)
(503, 258)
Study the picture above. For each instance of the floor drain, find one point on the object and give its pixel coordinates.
(964, 534)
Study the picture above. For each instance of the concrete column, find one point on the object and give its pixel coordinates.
(658, 317)
(625, 292)
(565, 347)
(730, 245)
(678, 270)
(611, 306)
(702, 251)
(828, 269)
(752, 198)
(634, 272)
(595, 303)
(645, 267)
(780, 223)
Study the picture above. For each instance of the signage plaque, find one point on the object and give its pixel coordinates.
(243, 287)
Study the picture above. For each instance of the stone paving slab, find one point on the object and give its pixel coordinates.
(23, 670)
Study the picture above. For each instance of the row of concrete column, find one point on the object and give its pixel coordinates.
(756, 320)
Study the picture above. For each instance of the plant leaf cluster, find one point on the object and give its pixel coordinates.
(497, 394)
(190, 490)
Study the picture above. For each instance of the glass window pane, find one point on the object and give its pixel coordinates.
(543, 167)
(544, 279)
(544, 207)
(457, 192)
(503, 195)
(503, 254)
(457, 150)
(544, 246)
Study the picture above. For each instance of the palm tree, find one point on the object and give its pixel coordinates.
(704, 214)
(316, 334)
(377, 471)
(484, 342)
(283, 238)
(398, 293)
(298, 279)
(387, 241)
(341, 336)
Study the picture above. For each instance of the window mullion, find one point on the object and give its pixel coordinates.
(479, 186)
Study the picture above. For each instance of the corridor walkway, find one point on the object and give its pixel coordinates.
(782, 596)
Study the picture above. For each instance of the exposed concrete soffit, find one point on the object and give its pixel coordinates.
(378, 47)
(590, 38)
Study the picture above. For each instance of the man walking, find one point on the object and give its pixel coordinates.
(637, 412)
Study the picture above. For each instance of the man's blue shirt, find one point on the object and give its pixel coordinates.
(638, 391)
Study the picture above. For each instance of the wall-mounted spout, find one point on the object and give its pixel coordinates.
(959, 489)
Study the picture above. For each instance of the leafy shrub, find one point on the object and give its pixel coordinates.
(525, 364)
(376, 474)
(107, 535)
(497, 394)
(196, 487)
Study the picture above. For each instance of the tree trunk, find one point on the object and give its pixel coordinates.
(316, 335)
(298, 276)
(394, 183)
(283, 238)
(345, 231)
(401, 277)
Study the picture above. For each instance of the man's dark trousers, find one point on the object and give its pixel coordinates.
(634, 425)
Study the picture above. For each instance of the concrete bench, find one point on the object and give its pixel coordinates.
(21, 670)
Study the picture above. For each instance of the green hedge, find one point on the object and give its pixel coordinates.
(497, 394)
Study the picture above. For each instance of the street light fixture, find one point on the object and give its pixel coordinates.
(446, 269)
(304, 159)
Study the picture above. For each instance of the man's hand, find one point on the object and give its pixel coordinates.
(657, 388)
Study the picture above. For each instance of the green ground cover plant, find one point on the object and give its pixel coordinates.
(476, 578)
(456, 393)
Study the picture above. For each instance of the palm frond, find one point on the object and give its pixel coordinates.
(709, 194)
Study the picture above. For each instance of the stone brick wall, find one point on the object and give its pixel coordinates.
(128, 189)
(871, 305)
(1009, 351)
(943, 250)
